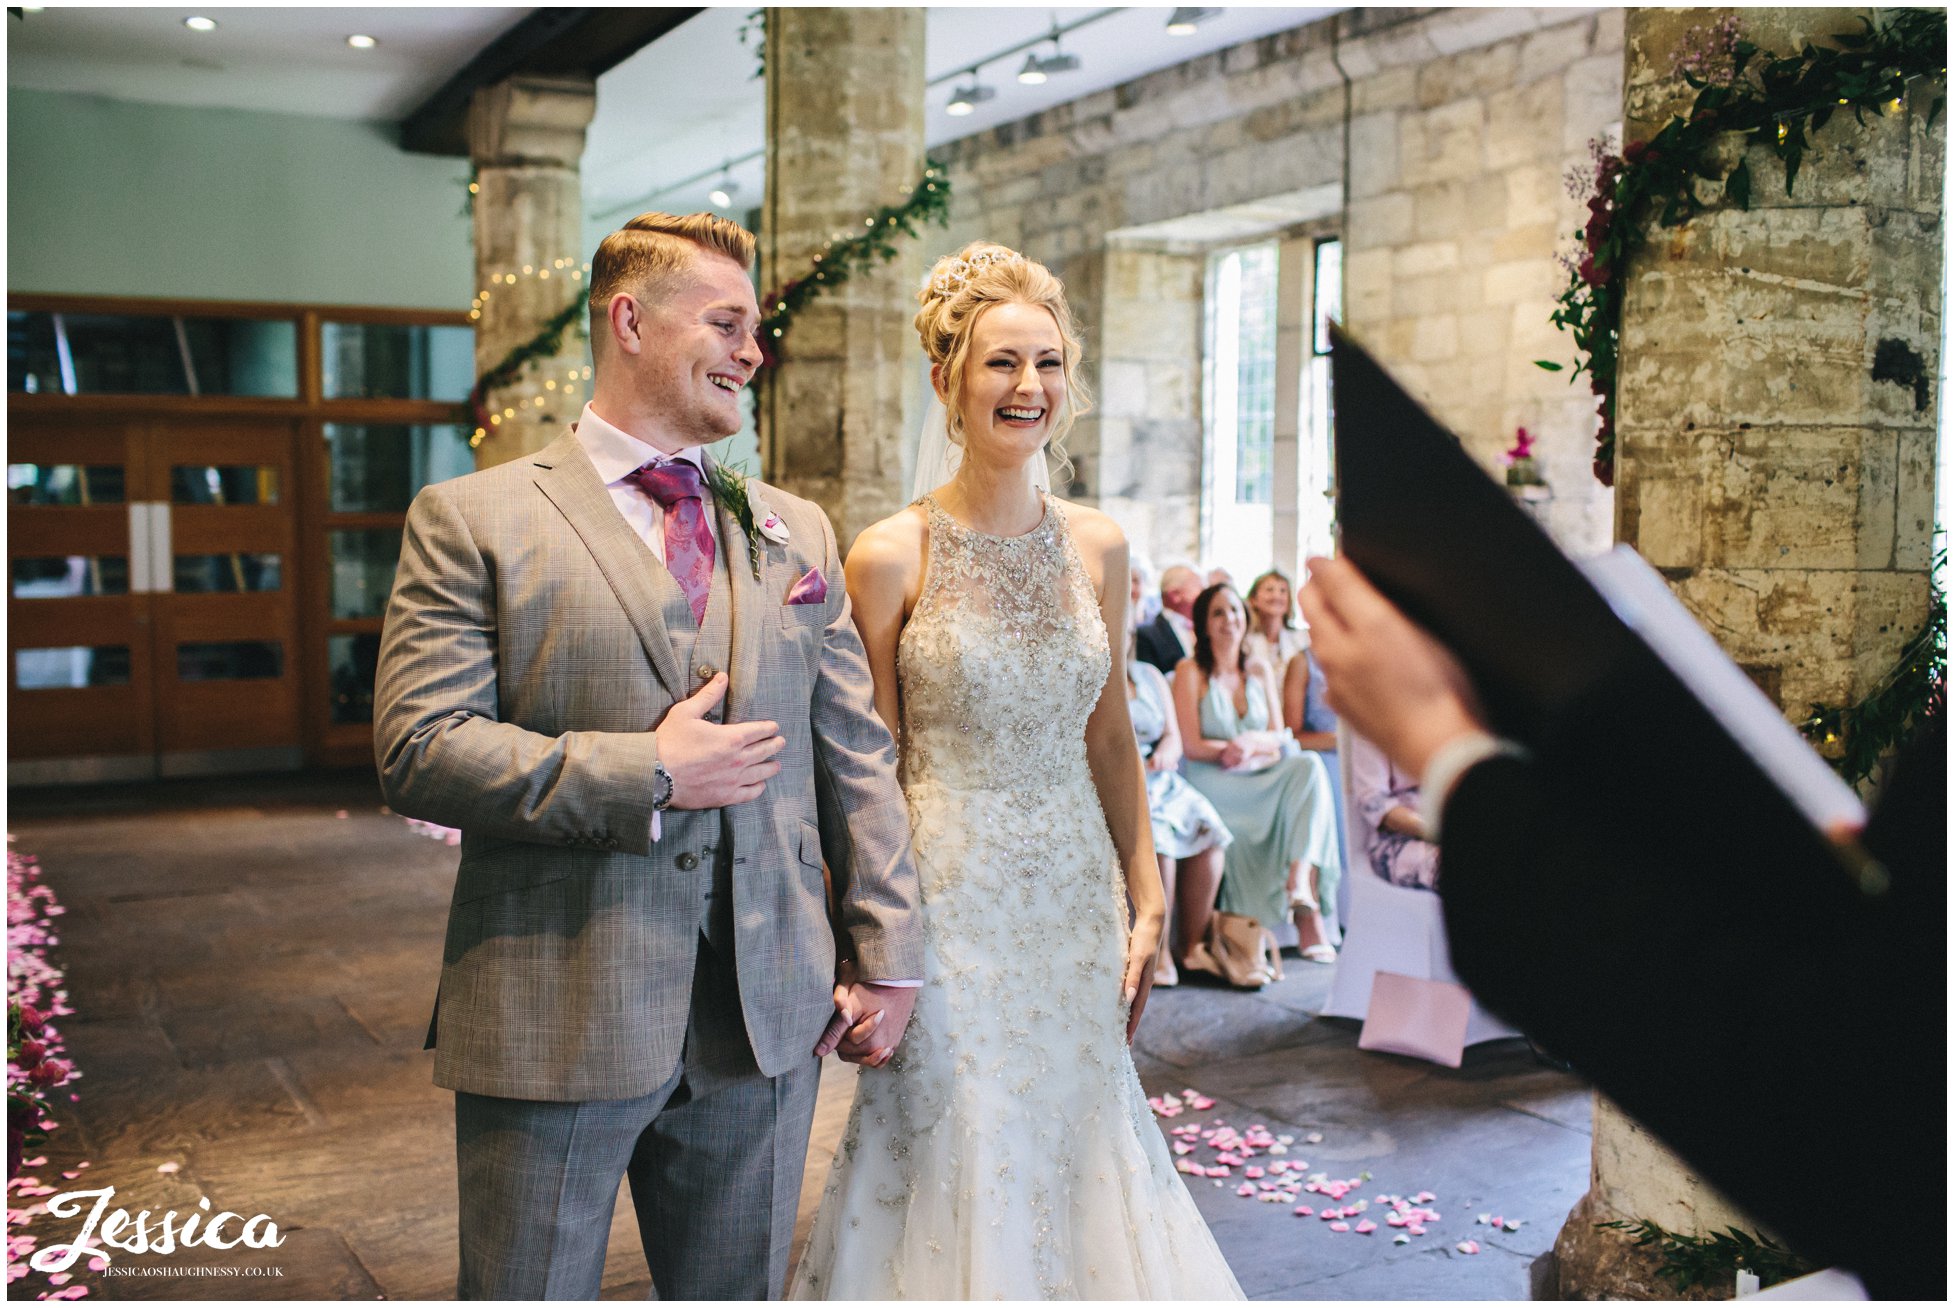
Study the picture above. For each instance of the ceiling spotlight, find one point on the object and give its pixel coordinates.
(1186, 20)
(361, 41)
(969, 97)
(198, 23)
(1036, 70)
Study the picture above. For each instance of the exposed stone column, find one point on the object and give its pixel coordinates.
(1141, 450)
(844, 138)
(525, 138)
(1786, 493)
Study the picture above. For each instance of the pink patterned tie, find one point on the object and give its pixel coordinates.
(676, 486)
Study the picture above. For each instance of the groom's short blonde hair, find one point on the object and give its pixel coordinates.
(641, 257)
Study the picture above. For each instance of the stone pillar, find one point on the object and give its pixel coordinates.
(525, 138)
(844, 139)
(1295, 269)
(1764, 464)
(1142, 448)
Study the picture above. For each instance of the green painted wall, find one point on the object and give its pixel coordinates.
(106, 197)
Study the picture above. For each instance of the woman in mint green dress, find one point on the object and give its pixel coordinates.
(1275, 798)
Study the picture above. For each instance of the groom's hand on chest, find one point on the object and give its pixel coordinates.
(714, 765)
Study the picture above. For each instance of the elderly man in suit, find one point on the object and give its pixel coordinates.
(1169, 638)
(631, 679)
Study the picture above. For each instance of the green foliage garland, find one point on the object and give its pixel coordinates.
(1916, 689)
(841, 259)
(543, 345)
(1714, 1259)
(1776, 102)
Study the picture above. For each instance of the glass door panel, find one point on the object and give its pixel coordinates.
(78, 608)
(226, 628)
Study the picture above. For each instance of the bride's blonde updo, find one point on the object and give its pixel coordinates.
(957, 292)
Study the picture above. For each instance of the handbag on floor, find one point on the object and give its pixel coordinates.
(1244, 950)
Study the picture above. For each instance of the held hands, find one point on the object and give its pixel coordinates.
(869, 1019)
(1166, 755)
(713, 764)
(1394, 684)
(1141, 949)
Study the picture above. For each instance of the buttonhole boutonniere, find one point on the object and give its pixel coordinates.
(730, 488)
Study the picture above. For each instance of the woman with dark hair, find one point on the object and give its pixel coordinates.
(1274, 799)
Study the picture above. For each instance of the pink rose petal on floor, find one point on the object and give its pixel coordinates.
(1305, 1211)
(60, 1278)
(1467, 1246)
(1395, 1219)
(1499, 1223)
(168, 1168)
(1339, 1226)
(1400, 1238)
(1513, 1223)
(1423, 1197)
(1416, 1228)
(1203, 1103)
(1253, 1173)
(1183, 1148)
(1217, 1171)
(1244, 1189)
(1314, 1137)
(1365, 1227)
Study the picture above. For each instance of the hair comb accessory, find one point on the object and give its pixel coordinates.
(952, 277)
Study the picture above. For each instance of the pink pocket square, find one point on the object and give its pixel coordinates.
(812, 588)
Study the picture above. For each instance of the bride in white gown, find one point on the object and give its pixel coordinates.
(1007, 1149)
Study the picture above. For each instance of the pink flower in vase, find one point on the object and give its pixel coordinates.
(1522, 447)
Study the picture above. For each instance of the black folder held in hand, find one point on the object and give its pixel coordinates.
(1597, 667)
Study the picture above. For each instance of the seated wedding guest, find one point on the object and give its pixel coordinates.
(1221, 577)
(1188, 835)
(1169, 638)
(1385, 799)
(1274, 635)
(1275, 799)
(1306, 712)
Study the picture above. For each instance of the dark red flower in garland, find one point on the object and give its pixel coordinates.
(1604, 471)
(50, 1073)
(1634, 152)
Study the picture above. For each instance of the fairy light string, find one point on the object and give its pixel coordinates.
(842, 257)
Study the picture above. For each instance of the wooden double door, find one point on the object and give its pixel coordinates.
(152, 606)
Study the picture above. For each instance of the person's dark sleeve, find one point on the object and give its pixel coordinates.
(1752, 1012)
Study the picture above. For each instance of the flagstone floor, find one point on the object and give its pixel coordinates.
(252, 963)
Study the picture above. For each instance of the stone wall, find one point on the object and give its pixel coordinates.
(1460, 126)
(1784, 486)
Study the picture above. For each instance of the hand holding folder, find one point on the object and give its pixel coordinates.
(1652, 895)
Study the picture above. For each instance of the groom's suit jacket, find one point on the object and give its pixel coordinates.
(525, 665)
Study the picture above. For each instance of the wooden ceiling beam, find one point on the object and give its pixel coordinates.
(551, 42)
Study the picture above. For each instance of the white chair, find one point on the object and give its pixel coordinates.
(1391, 929)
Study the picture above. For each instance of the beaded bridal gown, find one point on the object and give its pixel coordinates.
(1007, 1149)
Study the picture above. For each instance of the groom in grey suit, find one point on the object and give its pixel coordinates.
(638, 693)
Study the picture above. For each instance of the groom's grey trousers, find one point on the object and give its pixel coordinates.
(714, 1155)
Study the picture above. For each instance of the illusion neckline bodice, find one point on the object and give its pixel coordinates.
(935, 509)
